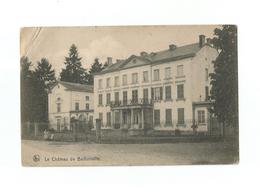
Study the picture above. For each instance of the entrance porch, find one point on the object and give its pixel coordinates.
(133, 119)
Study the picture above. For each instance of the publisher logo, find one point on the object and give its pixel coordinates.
(36, 158)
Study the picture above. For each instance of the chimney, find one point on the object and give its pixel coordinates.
(172, 47)
(143, 53)
(208, 40)
(118, 60)
(109, 60)
(201, 40)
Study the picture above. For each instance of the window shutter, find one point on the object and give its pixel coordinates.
(152, 93)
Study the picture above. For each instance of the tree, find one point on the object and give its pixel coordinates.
(224, 80)
(95, 68)
(26, 89)
(45, 74)
(43, 80)
(34, 89)
(73, 72)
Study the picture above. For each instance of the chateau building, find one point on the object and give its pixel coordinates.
(70, 106)
(165, 90)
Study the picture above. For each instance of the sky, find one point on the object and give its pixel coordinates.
(117, 42)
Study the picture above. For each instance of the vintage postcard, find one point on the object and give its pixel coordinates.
(129, 95)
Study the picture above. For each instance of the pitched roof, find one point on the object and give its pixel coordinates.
(154, 58)
(77, 87)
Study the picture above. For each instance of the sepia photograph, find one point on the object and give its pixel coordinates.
(129, 95)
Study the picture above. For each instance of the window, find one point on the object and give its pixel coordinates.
(124, 80)
(180, 91)
(201, 116)
(157, 93)
(87, 98)
(135, 117)
(124, 97)
(117, 120)
(108, 98)
(168, 92)
(116, 81)
(100, 100)
(58, 124)
(124, 117)
(180, 116)
(167, 72)
(87, 106)
(206, 74)
(109, 119)
(180, 70)
(156, 75)
(134, 78)
(168, 113)
(156, 117)
(100, 84)
(100, 116)
(108, 83)
(91, 119)
(145, 76)
(116, 96)
(206, 93)
(76, 97)
(135, 96)
(58, 107)
(145, 94)
(76, 106)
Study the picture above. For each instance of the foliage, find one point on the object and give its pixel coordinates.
(44, 74)
(35, 85)
(73, 72)
(26, 89)
(224, 80)
(43, 80)
(95, 68)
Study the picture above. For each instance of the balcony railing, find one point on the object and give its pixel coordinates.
(83, 110)
(133, 102)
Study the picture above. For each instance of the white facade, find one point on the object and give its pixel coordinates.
(68, 102)
(163, 109)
